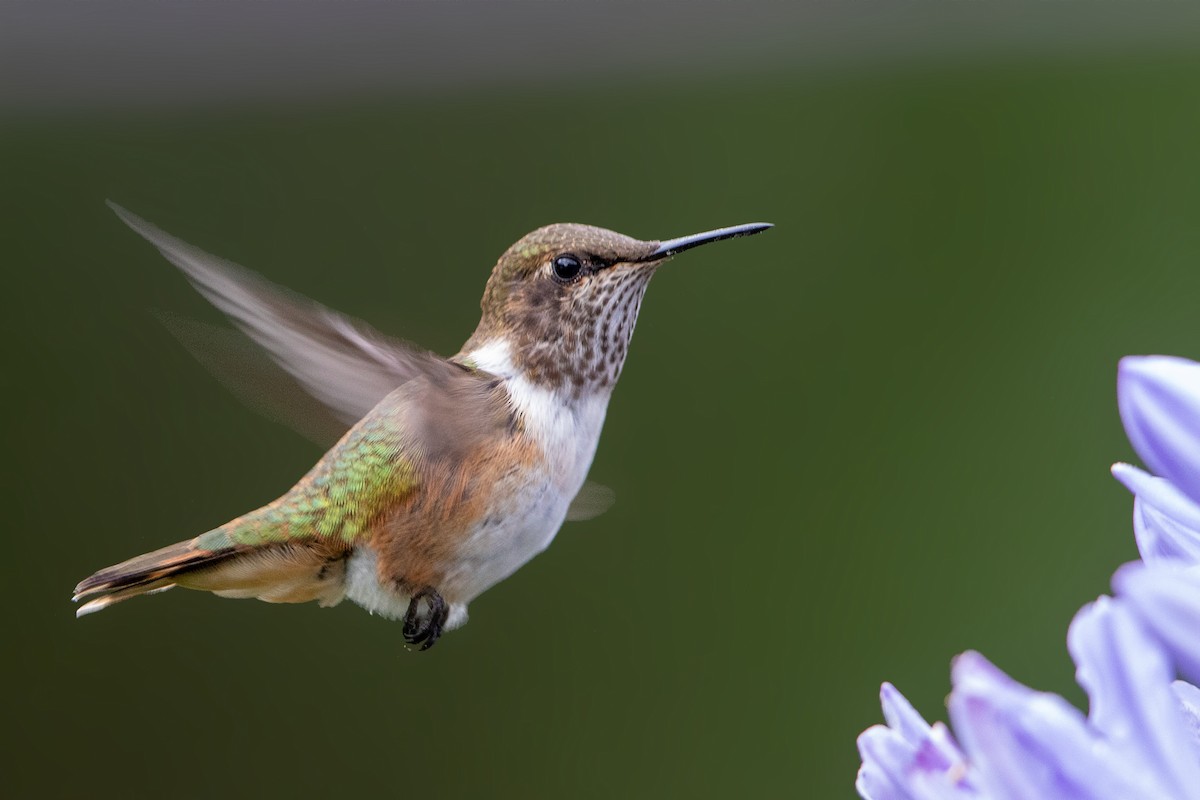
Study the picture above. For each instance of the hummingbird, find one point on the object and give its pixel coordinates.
(455, 471)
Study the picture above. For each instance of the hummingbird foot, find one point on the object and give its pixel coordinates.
(425, 629)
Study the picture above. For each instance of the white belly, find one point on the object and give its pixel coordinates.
(498, 546)
(513, 533)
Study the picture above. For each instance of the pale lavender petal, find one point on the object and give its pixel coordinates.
(885, 764)
(900, 716)
(943, 786)
(1127, 677)
(894, 770)
(908, 759)
(1189, 700)
(1027, 745)
(1165, 521)
(905, 720)
(1167, 600)
(1159, 399)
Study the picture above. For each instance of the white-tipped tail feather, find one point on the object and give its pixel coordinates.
(276, 573)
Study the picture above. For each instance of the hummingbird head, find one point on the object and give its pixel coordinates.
(564, 299)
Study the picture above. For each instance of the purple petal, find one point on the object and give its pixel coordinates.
(1028, 745)
(1165, 521)
(893, 770)
(943, 786)
(885, 765)
(901, 716)
(1127, 677)
(1167, 600)
(1159, 399)
(909, 759)
(1189, 700)
(934, 745)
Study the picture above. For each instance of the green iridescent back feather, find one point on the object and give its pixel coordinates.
(363, 476)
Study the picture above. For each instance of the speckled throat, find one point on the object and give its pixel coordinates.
(580, 344)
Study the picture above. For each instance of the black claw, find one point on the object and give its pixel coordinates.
(425, 631)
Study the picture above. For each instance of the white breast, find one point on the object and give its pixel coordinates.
(567, 429)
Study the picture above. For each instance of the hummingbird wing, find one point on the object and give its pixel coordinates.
(342, 363)
(592, 500)
(256, 379)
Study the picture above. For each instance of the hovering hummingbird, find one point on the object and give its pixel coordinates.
(457, 471)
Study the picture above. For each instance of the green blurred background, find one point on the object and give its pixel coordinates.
(844, 451)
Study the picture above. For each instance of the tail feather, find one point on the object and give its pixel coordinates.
(104, 601)
(144, 574)
(278, 572)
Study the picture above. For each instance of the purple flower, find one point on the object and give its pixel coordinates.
(1166, 523)
(1159, 398)
(1141, 737)
(1020, 744)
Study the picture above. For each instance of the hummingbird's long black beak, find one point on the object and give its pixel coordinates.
(673, 246)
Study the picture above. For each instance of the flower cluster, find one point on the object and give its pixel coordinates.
(1141, 736)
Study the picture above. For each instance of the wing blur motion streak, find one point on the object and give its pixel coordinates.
(343, 363)
(254, 377)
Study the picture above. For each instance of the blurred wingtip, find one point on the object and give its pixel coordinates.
(170, 246)
(592, 500)
(118, 209)
(141, 226)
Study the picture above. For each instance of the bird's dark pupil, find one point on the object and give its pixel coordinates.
(566, 267)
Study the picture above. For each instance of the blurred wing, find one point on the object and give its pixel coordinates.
(343, 363)
(255, 379)
(592, 501)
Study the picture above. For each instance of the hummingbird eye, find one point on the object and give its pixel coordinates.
(566, 268)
